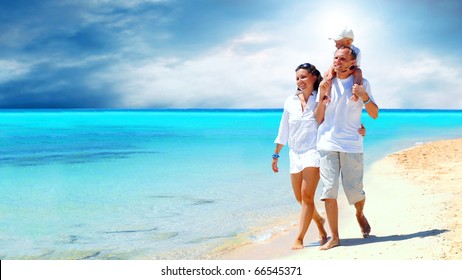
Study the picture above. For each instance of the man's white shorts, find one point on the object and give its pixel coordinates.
(350, 166)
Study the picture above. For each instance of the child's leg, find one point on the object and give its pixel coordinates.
(330, 74)
(358, 79)
(358, 76)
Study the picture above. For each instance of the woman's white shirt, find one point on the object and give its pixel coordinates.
(298, 129)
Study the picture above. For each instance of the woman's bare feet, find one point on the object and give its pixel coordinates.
(330, 244)
(298, 245)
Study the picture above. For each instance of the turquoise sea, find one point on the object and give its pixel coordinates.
(159, 184)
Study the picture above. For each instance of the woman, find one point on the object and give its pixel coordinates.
(298, 128)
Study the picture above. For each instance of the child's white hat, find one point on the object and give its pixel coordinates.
(345, 33)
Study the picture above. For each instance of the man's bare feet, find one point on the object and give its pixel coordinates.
(330, 244)
(364, 225)
(298, 245)
(322, 231)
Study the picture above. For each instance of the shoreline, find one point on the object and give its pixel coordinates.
(413, 205)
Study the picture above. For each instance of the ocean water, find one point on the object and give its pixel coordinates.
(159, 184)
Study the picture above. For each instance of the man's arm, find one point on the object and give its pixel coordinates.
(371, 108)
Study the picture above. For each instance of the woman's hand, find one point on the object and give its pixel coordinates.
(324, 90)
(275, 165)
(362, 131)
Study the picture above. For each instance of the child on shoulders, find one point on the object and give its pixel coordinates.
(345, 38)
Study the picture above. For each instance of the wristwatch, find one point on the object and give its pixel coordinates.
(275, 156)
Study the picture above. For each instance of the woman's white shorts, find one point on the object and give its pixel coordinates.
(300, 161)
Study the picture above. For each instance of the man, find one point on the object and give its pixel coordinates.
(339, 144)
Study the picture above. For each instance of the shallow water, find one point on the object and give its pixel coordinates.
(160, 184)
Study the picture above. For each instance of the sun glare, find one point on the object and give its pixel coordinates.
(336, 15)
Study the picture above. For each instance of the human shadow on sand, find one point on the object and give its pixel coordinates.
(397, 237)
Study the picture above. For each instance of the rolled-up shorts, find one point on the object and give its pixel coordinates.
(300, 161)
(350, 167)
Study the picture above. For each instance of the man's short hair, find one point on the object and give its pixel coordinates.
(354, 55)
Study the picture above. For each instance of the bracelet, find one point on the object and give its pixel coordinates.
(367, 101)
(275, 156)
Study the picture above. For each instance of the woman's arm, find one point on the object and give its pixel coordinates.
(323, 99)
(274, 165)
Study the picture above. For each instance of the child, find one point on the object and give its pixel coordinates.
(345, 38)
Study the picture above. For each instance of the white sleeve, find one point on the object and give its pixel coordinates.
(368, 89)
(283, 133)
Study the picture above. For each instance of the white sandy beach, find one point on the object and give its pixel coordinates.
(413, 205)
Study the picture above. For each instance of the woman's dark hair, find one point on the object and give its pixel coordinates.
(312, 70)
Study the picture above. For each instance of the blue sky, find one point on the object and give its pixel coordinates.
(221, 53)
